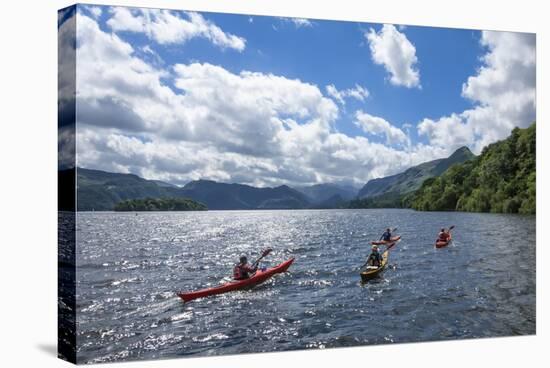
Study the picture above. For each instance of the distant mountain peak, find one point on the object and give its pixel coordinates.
(464, 150)
(412, 178)
(284, 186)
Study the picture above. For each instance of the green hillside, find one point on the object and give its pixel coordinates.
(412, 178)
(502, 179)
(101, 191)
(390, 191)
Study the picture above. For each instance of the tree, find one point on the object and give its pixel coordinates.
(501, 179)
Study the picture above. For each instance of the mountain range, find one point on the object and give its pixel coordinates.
(102, 191)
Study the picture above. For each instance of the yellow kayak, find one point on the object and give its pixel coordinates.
(370, 272)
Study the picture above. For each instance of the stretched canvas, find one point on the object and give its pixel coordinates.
(234, 183)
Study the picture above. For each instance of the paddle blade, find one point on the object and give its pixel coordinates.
(452, 227)
(266, 252)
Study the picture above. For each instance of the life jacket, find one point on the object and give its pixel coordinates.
(443, 236)
(237, 272)
(375, 259)
(386, 236)
(240, 272)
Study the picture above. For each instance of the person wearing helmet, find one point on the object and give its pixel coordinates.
(386, 236)
(375, 258)
(443, 235)
(242, 270)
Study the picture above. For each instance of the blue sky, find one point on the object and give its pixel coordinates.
(331, 95)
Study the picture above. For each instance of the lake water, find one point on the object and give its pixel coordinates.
(130, 267)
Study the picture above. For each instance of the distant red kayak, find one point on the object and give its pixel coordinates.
(441, 244)
(383, 242)
(258, 277)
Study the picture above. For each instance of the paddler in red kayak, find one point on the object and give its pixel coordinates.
(243, 270)
(386, 236)
(443, 235)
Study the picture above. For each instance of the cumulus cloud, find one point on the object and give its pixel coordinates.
(248, 109)
(358, 92)
(167, 27)
(503, 91)
(396, 53)
(378, 126)
(212, 123)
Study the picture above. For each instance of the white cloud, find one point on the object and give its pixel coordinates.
(95, 11)
(503, 91)
(334, 93)
(247, 127)
(247, 109)
(166, 27)
(358, 92)
(375, 125)
(301, 22)
(298, 22)
(449, 131)
(391, 48)
(153, 54)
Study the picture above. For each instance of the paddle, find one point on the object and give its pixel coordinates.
(264, 254)
(449, 231)
(450, 228)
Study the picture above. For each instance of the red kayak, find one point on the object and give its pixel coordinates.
(441, 244)
(258, 277)
(383, 242)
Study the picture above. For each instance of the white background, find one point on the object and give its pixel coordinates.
(28, 166)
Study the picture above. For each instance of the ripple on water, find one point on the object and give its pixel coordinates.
(130, 268)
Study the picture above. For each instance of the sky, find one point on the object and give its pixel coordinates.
(265, 101)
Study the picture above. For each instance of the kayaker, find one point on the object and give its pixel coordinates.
(443, 235)
(243, 270)
(375, 258)
(386, 236)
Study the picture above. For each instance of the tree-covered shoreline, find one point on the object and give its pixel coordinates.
(160, 204)
(501, 180)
